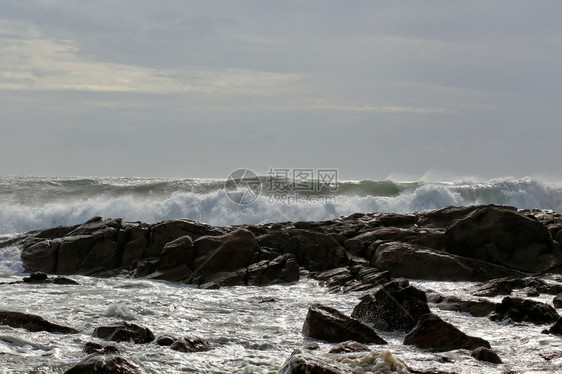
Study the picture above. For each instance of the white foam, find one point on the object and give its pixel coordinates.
(10, 262)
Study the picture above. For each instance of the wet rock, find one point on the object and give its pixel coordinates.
(40, 255)
(180, 273)
(417, 262)
(283, 269)
(165, 340)
(225, 279)
(327, 253)
(487, 355)
(504, 237)
(105, 364)
(505, 286)
(433, 333)
(557, 301)
(42, 278)
(234, 251)
(555, 329)
(124, 332)
(33, 323)
(91, 347)
(477, 308)
(349, 346)
(441, 218)
(420, 237)
(190, 345)
(524, 310)
(394, 306)
(328, 324)
(303, 363)
(177, 252)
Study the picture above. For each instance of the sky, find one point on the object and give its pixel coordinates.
(375, 89)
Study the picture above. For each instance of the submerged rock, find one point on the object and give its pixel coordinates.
(325, 323)
(394, 306)
(487, 355)
(349, 346)
(304, 363)
(124, 332)
(524, 310)
(105, 364)
(190, 345)
(33, 323)
(477, 308)
(433, 333)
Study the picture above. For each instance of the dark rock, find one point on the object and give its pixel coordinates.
(504, 237)
(325, 323)
(180, 273)
(394, 306)
(557, 301)
(145, 267)
(177, 252)
(38, 276)
(304, 363)
(92, 347)
(105, 364)
(477, 308)
(505, 286)
(420, 237)
(412, 261)
(349, 347)
(124, 332)
(283, 269)
(328, 253)
(64, 280)
(190, 345)
(165, 340)
(311, 346)
(225, 279)
(433, 333)
(32, 323)
(234, 251)
(441, 218)
(487, 355)
(520, 310)
(40, 255)
(555, 329)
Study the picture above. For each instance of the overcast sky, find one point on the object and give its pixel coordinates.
(376, 89)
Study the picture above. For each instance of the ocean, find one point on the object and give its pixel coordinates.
(248, 335)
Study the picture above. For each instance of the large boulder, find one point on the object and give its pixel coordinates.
(40, 255)
(124, 332)
(325, 323)
(417, 262)
(477, 308)
(282, 269)
(32, 323)
(177, 252)
(234, 251)
(502, 236)
(524, 310)
(328, 253)
(395, 305)
(433, 333)
(105, 364)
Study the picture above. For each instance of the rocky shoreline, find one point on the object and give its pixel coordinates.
(371, 254)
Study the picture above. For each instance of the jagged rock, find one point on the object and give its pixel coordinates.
(505, 286)
(33, 323)
(429, 238)
(328, 253)
(431, 332)
(283, 269)
(441, 218)
(477, 308)
(557, 301)
(190, 345)
(234, 251)
(524, 310)
(413, 261)
(225, 279)
(105, 364)
(123, 332)
(304, 363)
(555, 329)
(325, 323)
(176, 252)
(487, 355)
(349, 346)
(394, 306)
(504, 237)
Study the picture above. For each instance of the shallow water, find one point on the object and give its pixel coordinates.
(248, 335)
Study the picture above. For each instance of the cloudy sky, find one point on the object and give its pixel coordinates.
(377, 89)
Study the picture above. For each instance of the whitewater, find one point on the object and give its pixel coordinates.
(30, 203)
(252, 329)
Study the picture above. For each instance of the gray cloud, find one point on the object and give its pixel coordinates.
(80, 94)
